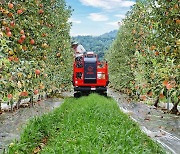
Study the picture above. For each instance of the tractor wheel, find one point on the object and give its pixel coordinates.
(77, 95)
(85, 93)
(105, 94)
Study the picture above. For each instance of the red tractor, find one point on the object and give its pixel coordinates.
(90, 75)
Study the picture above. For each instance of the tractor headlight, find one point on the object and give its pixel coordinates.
(100, 75)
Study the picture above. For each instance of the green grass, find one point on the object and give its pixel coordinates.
(92, 124)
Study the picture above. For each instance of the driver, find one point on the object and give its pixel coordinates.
(78, 49)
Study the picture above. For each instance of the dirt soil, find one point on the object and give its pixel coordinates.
(11, 124)
(156, 123)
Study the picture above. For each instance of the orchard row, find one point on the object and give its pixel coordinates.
(35, 54)
(145, 57)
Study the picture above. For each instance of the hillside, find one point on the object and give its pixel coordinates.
(98, 44)
(111, 34)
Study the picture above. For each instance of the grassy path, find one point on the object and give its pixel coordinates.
(92, 124)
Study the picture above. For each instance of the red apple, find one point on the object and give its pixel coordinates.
(41, 11)
(22, 32)
(36, 92)
(169, 86)
(23, 37)
(24, 47)
(9, 34)
(20, 41)
(9, 96)
(40, 5)
(7, 29)
(10, 5)
(16, 59)
(11, 58)
(10, 15)
(19, 11)
(24, 93)
(12, 23)
(37, 72)
(32, 41)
